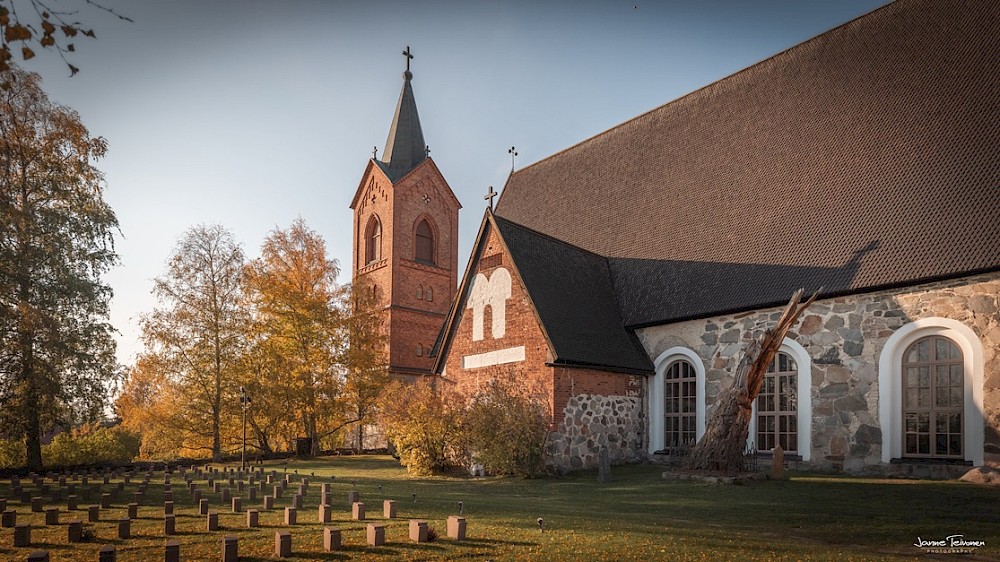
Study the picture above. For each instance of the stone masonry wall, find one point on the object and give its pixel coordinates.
(593, 410)
(844, 338)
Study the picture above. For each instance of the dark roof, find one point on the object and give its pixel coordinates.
(572, 294)
(575, 300)
(864, 158)
(404, 148)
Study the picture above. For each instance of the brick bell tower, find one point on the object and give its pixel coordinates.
(406, 239)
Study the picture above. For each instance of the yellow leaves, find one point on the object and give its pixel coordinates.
(27, 53)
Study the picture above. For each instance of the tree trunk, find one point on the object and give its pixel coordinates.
(723, 446)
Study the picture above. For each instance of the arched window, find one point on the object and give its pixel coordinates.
(429, 294)
(777, 406)
(424, 243)
(680, 404)
(420, 292)
(373, 240)
(420, 350)
(933, 398)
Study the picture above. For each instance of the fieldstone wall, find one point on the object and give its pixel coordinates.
(844, 338)
(592, 422)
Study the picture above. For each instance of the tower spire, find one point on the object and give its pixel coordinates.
(405, 147)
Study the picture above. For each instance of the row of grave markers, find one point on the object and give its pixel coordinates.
(375, 531)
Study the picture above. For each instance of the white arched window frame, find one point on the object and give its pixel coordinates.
(657, 398)
(803, 414)
(890, 384)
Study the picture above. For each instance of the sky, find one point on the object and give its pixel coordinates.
(252, 113)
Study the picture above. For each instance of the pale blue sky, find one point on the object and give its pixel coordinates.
(251, 113)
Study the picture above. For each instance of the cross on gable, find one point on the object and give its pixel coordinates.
(490, 196)
(427, 198)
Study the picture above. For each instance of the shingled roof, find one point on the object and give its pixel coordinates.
(865, 158)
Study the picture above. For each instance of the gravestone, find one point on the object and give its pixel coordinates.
(107, 553)
(168, 508)
(331, 539)
(225, 495)
(169, 524)
(172, 551)
(353, 497)
(268, 502)
(376, 534)
(203, 507)
(325, 514)
(253, 518)
(230, 549)
(358, 511)
(290, 516)
(604, 466)
(133, 511)
(3, 505)
(456, 527)
(282, 544)
(52, 516)
(39, 556)
(105, 500)
(74, 532)
(124, 528)
(297, 501)
(237, 505)
(137, 498)
(37, 504)
(418, 530)
(22, 535)
(389, 509)
(93, 514)
(168, 496)
(251, 494)
(213, 521)
(71, 501)
(8, 519)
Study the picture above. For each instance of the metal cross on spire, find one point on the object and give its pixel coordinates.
(490, 196)
(408, 56)
(513, 153)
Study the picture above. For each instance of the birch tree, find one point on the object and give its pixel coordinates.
(196, 336)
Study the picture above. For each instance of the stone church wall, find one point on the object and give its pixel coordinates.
(844, 338)
(594, 410)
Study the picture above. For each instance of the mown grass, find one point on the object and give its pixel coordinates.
(638, 516)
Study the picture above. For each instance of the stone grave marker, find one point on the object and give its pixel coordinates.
(290, 516)
(237, 505)
(203, 507)
(230, 549)
(107, 553)
(52, 516)
(39, 556)
(456, 527)
(213, 521)
(268, 503)
(172, 551)
(325, 513)
(93, 514)
(253, 518)
(418, 530)
(8, 519)
(133, 511)
(169, 524)
(353, 497)
(389, 509)
(37, 503)
(376, 534)
(22, 535)
(297, 501)
(124, 528)
(74, 532)
(358, 511)
(331, 539)
(282, 544)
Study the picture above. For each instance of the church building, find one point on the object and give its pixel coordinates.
(622, 276)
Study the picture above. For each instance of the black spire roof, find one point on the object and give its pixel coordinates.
(405, 147)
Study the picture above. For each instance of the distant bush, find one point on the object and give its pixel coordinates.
(504, 429)
(91, 445)
(12, 453)
(421, 424)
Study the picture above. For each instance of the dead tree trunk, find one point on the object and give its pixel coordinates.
(722, 447)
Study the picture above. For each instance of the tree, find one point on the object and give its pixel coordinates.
(722, 447)
(364, 357)
(56, 240)
(34, 23)
(293, 288)
(195, 340)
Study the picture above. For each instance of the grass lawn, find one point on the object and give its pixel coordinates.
(639, 516)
